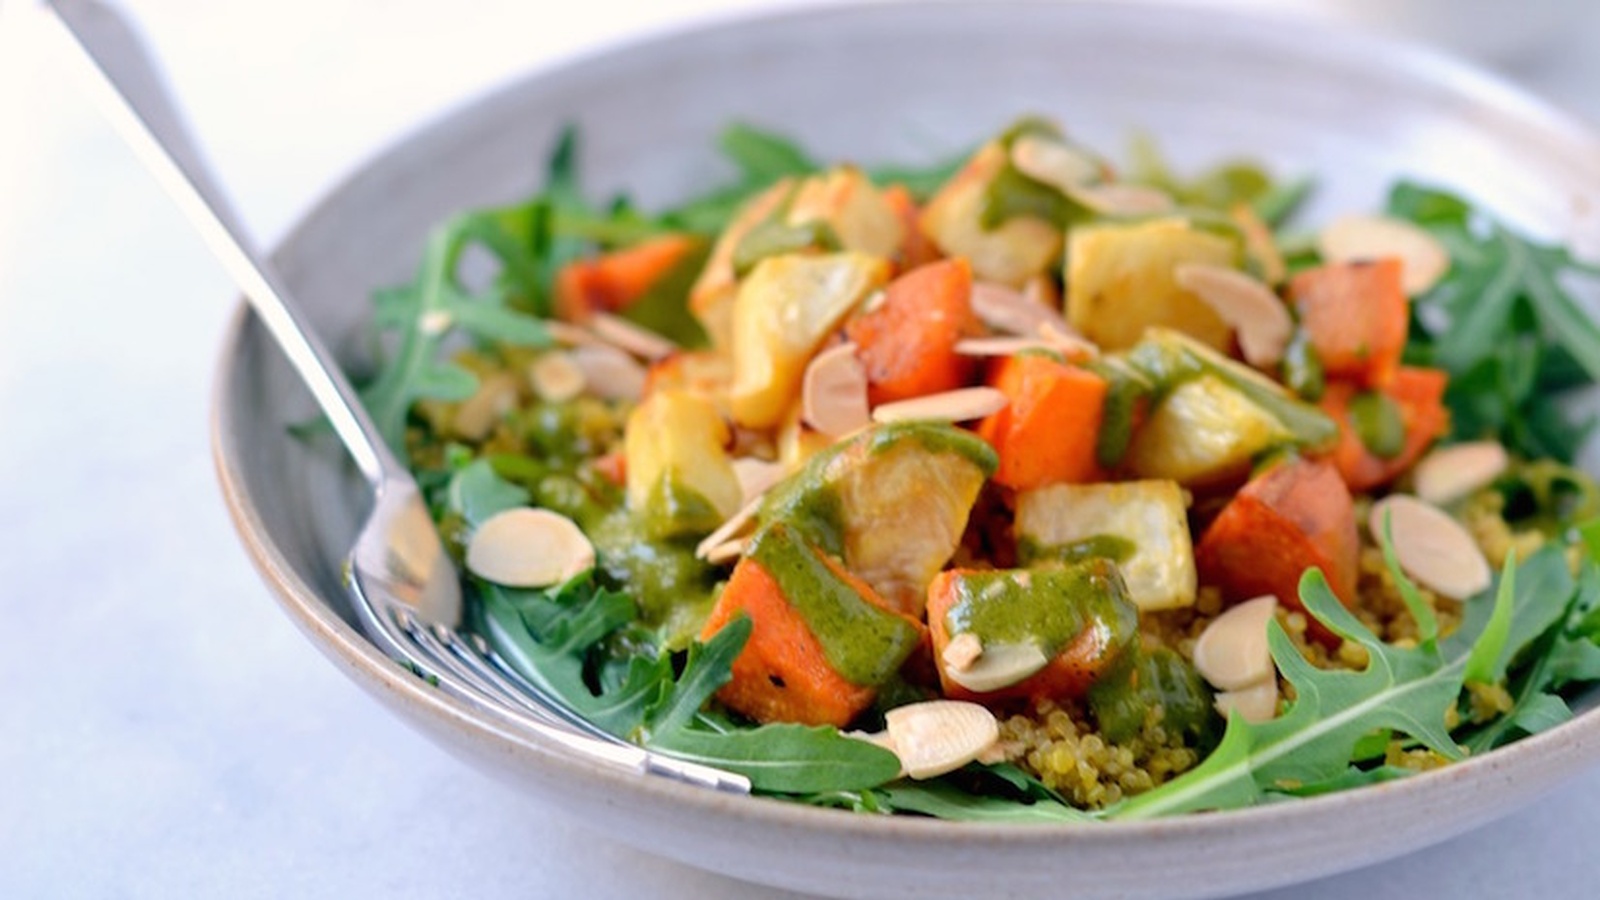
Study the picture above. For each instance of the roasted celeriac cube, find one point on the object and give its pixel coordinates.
(783, 311)
(849, 204)
(679, 478)
(1203, 432)
(1140, 525)
(1010, 253)
(1120, 281)
(711, 297)
(892, 501)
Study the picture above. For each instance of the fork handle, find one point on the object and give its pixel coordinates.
(127, 85)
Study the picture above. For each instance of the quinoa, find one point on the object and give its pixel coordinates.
(1059, 745)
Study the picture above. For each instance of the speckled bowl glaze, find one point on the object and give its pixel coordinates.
(908, 83)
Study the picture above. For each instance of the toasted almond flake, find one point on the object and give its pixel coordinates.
(1251, 308)
(1255, 704)
(555, 377)
(1353, 238)
(435, 322)
(962, 651)
(1259, 244)
(962, 405)
(1121, 199)
(1069, 342)
(939, 736)
(477, 415)
(1451, 473)
(994, 754)
(729, 529)
(876, 738)
(1000, 666)
(640, 341)
(1232, 652)
(1432, 547)
(1053, 163)
(527, 547)
(833, 394)
(727, 551)
(570, 334)
(609, 372)
(1000, 346)
(1012, 312)
(756, 475)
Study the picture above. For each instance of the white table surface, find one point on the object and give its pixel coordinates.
(164, 731)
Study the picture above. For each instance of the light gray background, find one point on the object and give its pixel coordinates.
(164, 731)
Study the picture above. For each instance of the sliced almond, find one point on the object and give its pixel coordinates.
(636, 339)
(1010, 311)
(756, 475)
(1255, 704)
(476, 416)
(833, 394)
(727, 551)
(1000, 666)
(1451, 473)
(1250, 308)
(527, 547)
(1053, 163)
(1000, 346)
(555, 377)
(729, 529)
(962, 651)
(1070, 343)
(609, 372)
(962, 405)
(1232, 652)
(1121, 199)
(1432, 547)
(1259, 244)
(940, 736)
(1354, 238)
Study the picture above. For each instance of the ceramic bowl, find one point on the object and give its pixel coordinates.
(904, 83)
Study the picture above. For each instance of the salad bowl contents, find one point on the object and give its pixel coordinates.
(1141, 532)
(1029, 510)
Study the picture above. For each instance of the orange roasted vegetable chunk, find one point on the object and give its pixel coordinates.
(1296, 515)
(915, 248)
(613, 281)
(1079, 615)
(1418, 394)
(1356, 315)
(1048, 432)
(908, 342)
(820, 641)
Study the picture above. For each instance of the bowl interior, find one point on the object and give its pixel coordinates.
(906, 84)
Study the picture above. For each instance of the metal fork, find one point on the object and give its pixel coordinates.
(404, 586)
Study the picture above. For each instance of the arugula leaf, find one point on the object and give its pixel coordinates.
(1405, 690)
(1547, 631)
(709, 667)
(788, 759)
(946, 801)
(477, 492)
(1503, 325)
(430, 308)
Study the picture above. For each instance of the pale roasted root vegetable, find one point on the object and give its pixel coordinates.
(783, 311)
(1142, 525)
(885, 514)
(1121, 280)
(891, 502)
